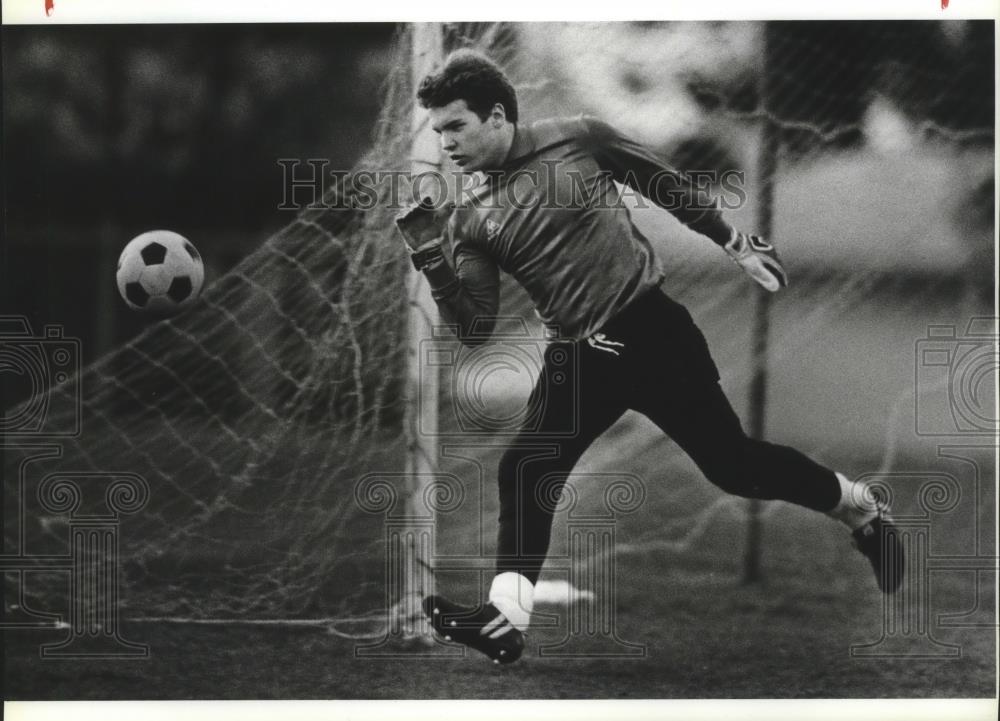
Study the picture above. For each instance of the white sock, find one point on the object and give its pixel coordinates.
(856, 506)
(514, 595)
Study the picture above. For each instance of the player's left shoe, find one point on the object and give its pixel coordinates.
(484, 628)
(879, 541)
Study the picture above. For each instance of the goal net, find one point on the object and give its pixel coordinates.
(254, 417)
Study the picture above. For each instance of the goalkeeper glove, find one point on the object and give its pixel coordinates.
(758, 259)
(421, 227)
(420, 224)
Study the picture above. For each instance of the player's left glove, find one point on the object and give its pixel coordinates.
(421, 227)
(421, 223)
(758, 259)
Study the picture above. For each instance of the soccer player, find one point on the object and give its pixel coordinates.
(548, 213)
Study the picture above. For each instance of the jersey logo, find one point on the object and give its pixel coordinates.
(492, 229)
(602, 342)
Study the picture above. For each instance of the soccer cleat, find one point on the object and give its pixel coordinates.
(879, 541)
(484, 629)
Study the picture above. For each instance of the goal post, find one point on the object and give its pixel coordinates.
(421, 418)
(767, 167)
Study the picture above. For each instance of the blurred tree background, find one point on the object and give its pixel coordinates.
(109, 131)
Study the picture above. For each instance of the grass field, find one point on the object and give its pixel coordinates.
(706, 636)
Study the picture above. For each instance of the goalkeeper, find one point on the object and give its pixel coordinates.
(594, 276)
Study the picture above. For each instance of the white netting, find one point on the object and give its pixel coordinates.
(253, 416)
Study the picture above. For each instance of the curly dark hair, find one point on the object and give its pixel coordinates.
(470, 76)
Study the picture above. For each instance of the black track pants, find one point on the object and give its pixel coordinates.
(652, 359)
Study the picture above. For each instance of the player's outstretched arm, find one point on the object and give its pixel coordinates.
(467, 295)
(633, 164)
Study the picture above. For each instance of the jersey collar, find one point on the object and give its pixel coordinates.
(522, 146)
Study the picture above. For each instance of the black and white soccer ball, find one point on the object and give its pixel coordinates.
(160, 273)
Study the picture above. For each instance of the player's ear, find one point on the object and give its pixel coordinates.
(498, 115)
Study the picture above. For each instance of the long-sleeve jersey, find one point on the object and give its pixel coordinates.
(553, 219)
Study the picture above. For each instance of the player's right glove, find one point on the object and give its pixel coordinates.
(758, 259)
(422, 226)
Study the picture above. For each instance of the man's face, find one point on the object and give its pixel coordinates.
(469, 142)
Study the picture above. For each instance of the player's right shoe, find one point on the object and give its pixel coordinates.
(484, 628)
(879, 541)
